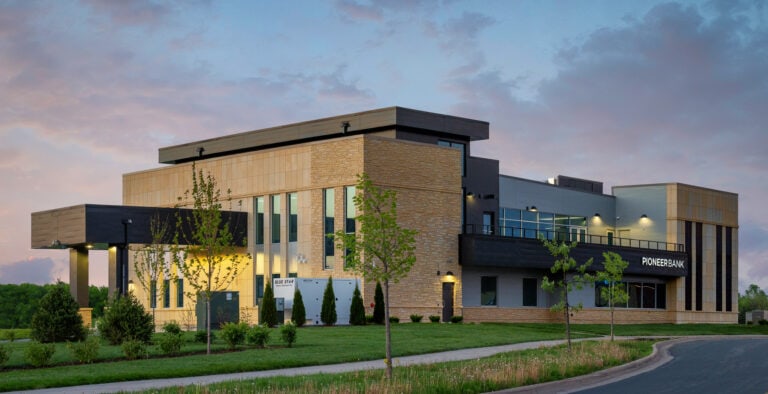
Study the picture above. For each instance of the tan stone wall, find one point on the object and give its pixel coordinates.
(585, 316)
(426, 177)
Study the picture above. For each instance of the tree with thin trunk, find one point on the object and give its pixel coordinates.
(567, 276)
(382, 250)
(615, 292)
(150, 262)
(204, 248)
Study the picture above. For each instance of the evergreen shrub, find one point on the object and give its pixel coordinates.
(268, 314)
(357, 309)
(299, 313)
(378, 305)
(328, 312)
(125, 320)
(57, 318)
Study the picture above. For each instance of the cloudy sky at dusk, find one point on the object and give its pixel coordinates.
(625, 92)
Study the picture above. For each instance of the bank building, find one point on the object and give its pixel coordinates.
(477, 255)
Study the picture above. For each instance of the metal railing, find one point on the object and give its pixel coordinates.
(519, 232)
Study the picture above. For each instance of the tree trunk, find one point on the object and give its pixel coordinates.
(208, 324)
(610, 301)
(567, 311)
(388, 333)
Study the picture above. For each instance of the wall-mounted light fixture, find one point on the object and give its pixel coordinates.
(344, 127)
(643, 216)
(597, 215)
(131, 286)
(470, 194)
(532, 208)
(449, 273)
(200, 151)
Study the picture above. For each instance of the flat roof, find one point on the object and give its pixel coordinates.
(326, 128)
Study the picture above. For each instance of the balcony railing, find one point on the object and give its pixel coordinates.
(577, 236)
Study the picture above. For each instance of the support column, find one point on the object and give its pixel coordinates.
(78, 275)
(112, 271)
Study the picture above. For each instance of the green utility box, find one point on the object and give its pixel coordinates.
(225, 308)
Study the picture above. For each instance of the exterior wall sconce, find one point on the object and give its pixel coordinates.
(597, 215)
(470, 194)
(643, 216)
(131, 286)
(449, 273)
(532, 208)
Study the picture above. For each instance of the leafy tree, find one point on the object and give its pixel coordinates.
(150, 263)
(378, 305)
(58, 318)
(126, 320)
(18, 303)
(568, 275)
(97, 299)
(382, 250)
(754, 298)
(268, 315)
(299, 313)
(613, 271)
(328, 311)
(357, 309)
(209, 261)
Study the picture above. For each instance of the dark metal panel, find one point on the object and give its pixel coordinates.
(494, 251)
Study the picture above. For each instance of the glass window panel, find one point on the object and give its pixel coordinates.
(275, 219)
(259, 220)
(649, 295)
(328, 202)
(530, 291)
(293, 217)
(530, 216)
(349, 210)
(167, 293)
(635, 295)
(561, 220)
(180, 293)
(661, 296)
(487, 290)
(578, 221)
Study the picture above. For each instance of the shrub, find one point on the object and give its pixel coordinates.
(394, 319)
(457, 319)
(268, 313)
(259, 335)
(234, 334)
(416, 318)
(125, 320)
(378, 305)
(85, 351)
(170, 342)
(762, 322)
(39, 354)
(368, 319)
(134, 349)
(5, 354)
(57, 318)
(357, 309)
(288, 333)
(202, 336)
(10, 335)
(172, 327)
(434, 318)
(299, 313)
(328, 312)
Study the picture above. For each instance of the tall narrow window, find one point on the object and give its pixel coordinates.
(328, 204)
(180, 293)
(153, 294)
(488, 290)
(488, 223)
(258, 220)
(349, 214)
(167, 293)
(276, 219)
(259, 283)
(530, 291)
(293, 217)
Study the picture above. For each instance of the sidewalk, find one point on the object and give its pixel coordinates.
(658, 357)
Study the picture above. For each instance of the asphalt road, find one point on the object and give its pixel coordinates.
(702, 366)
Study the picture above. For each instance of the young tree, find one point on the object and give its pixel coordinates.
(754, 298)
(378, 304)
(382, 250)
(204, 249)
(357, 309)
(328, 312)
(613, 271)
(299, 313)
(568, 275)
(268, 315)
(150, 263)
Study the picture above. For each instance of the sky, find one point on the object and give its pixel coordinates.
(619, 91)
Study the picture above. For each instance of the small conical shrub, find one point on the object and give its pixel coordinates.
(57, 318)
(328, 313)
(268, 315)
(299, 314)
(357, 309)
(378, 308)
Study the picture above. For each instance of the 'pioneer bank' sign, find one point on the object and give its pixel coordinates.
(663, 262)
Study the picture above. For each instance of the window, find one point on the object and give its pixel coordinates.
(259, 283)
(153, 294)
(167, 293)
(179, 293)
(488, 223)
(488, 290)
(276, 219)
(328, 204)
(349, 209)
(530, 291)
(293, 275)
(459, 146)
(258, 220)
(641, 295)
(293, 217)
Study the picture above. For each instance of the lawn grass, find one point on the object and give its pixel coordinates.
(498, 372)
(315, 346)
